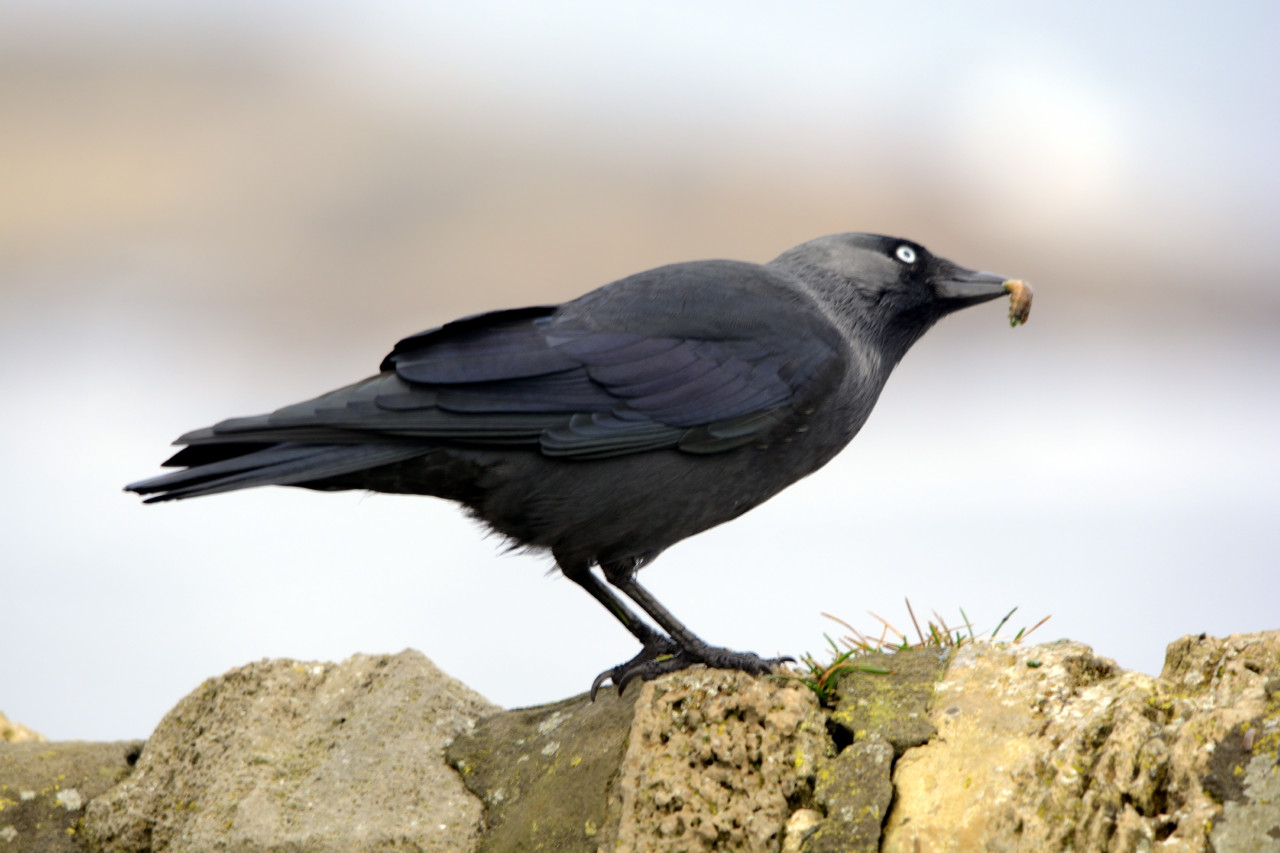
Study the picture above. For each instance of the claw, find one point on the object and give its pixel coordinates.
(649, 670)
(659, 649)
(599, 682)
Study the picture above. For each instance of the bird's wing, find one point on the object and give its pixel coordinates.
(579, 383)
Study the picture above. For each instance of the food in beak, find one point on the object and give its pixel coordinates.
(1019, 301)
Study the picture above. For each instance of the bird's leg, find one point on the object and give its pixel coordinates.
(691, 649)
(581, 574)
(656, 645)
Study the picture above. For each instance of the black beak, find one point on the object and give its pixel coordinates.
(958, 287)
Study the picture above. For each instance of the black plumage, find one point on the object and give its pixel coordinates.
(610, 427)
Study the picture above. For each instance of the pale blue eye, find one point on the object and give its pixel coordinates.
(906, 254)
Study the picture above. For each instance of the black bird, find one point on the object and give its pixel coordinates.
(608, 428)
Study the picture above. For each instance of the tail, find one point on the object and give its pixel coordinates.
(224, 467)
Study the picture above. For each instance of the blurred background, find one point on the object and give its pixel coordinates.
(215, 208)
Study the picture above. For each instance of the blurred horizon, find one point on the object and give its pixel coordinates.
(214, 209)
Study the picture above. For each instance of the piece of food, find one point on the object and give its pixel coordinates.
(1019, 301)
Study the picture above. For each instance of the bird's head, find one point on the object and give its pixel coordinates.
(888, 287)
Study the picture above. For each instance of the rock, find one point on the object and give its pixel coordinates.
(718, 761)
(44, 786)
(1053, 748)
(1244, 765)
(1016, 748)
(881, 711)
(284, 755)
(854, 790)
(547, 775)
(11, 732)
(893, 704)
(799, 828)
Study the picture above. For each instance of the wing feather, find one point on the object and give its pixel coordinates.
(719, 374)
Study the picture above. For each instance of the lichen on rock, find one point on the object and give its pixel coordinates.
(547, 775)
(1075, 753)
(892, 700)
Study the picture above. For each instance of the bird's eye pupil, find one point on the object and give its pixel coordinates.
(906, 254)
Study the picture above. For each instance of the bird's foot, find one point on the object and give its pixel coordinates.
(657, 657)
(663, 655)
(748, 662)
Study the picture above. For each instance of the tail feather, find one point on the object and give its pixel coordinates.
(285, 464)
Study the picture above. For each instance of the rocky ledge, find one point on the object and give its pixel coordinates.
(992, 746)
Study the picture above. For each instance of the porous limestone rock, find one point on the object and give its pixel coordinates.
(285, 755)
(718, 761)
(1052, 748)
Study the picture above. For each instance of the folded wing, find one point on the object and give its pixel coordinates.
(542, 378)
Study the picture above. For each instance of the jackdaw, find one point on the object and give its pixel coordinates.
(608, 428)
